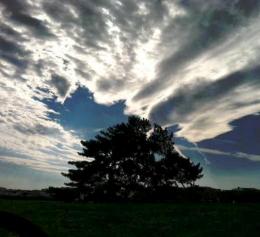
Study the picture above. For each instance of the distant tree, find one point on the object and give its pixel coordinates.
(129, 157)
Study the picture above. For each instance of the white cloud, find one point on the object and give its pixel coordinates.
(207, 151)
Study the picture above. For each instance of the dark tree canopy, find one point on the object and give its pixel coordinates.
(129, 157)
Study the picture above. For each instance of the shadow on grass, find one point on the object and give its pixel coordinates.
(19, 225)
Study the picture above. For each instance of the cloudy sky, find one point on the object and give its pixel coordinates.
(69, 68)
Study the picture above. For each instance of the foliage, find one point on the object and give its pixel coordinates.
(130, 157)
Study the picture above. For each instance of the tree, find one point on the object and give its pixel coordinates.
(129, 157)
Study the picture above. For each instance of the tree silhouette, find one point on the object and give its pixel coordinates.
(129, 157)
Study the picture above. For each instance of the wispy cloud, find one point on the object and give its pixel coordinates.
(251, 157)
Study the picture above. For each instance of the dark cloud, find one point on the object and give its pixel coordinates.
(17, 11)
(60, 83)
(245, 7)
(12, 42)
(188, 99)
(11, 52)
(10, 47)
(110, 85)
(10, 32)
(205, 24)
(37, 26)
(244, 137)
(92, 18)
(38, 129)
(20, 63)
(13, 6)
(91, 28)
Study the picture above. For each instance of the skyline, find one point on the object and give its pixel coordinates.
(71, 68)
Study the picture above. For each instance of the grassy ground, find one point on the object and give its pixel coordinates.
(74, 219)
(5, 233)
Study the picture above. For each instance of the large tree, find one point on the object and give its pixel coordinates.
(131, 156)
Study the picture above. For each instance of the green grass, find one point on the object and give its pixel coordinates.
(60, 219)
(5, 233)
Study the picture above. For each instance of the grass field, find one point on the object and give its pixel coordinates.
(60, 219)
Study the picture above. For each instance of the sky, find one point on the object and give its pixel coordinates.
(71, 68)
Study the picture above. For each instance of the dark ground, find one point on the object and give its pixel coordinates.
(59, 219)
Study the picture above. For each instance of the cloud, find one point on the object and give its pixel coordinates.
(201, 28)
(240, 155)
(192, 63)
(61, 84)
(17, 12)
(243, 139)
(28, 136)
(205, 108)
(12, 53)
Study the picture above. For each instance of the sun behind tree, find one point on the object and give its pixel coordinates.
(128, 158)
